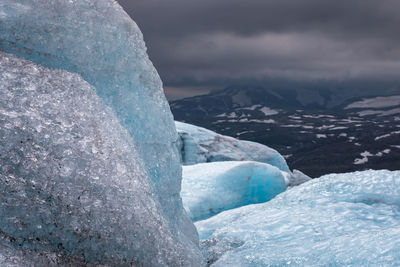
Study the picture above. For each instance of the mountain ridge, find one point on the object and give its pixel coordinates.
(316, 136)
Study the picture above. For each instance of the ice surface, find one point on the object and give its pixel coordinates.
(209, 188)
(13, 257)
(99, 41)
(338, 220)
(71, 179)
(199, 145)
(298, 178)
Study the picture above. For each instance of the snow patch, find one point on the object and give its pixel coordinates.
(268, 112)
(377, 102)
(364, 158)
(365, 155)
(380, 113)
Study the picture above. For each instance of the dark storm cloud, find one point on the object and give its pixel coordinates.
(219, 42)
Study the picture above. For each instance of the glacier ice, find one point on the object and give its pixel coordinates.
(99, 41)
(13, 257)
(71, 179)
(298, 178)
(338, 220)
(199, 145)
(209, 188)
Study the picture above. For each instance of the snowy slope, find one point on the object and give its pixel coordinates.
(376, 102)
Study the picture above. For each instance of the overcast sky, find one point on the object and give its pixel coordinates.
(201, 45)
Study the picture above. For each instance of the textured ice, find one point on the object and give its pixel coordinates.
(99, 41)
(71, 179)
(338, 220)
(199, 145)
(13, 257)
(298, 178)
(209, 188)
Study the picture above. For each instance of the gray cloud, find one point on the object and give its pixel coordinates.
(216, 43)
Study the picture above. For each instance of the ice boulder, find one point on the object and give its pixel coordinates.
(338, 220)
(209, 188)
(71, 179)
(99, 41)
(199, 145)
(297, 178)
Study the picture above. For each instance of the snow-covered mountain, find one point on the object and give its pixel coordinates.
(318, 132)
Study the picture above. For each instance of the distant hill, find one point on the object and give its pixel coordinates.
(318, 131)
